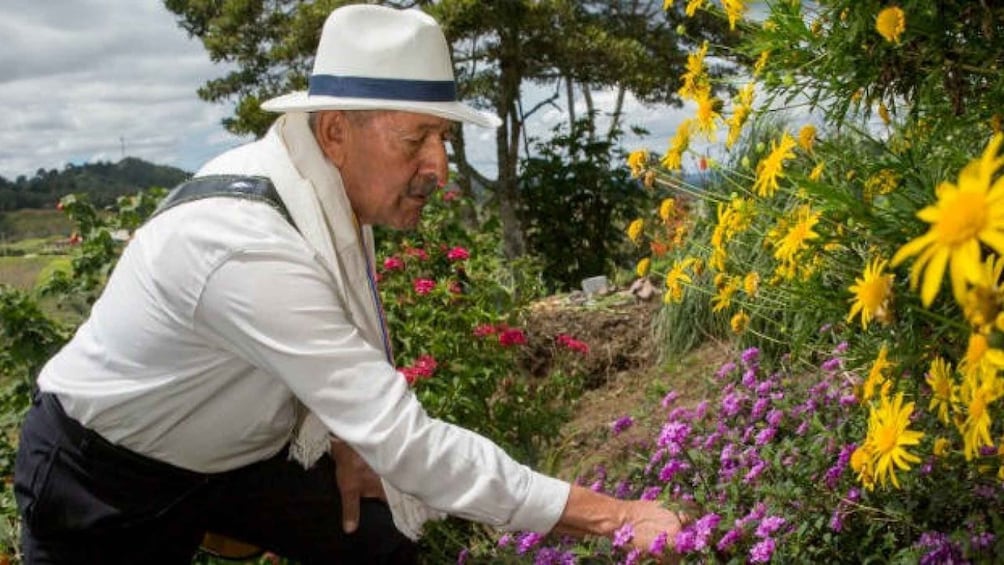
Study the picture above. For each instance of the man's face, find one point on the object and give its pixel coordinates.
(390, 162)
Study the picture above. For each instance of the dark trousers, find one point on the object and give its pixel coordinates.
(84, 500)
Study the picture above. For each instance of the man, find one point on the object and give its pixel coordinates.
(238, 333)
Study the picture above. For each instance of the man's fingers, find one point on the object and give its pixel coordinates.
(350, 511)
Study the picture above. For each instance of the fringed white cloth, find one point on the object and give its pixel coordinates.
(325, 219)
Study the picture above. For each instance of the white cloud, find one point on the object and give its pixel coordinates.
(80, 80)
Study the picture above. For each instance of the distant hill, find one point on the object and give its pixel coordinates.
(102, 181)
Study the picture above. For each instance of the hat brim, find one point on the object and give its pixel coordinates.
(304, 102)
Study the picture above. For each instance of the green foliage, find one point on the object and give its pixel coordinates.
(574, 203)
(448, 297)
(454, 311)
(101, 238)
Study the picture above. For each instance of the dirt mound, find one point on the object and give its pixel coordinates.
(617, 328)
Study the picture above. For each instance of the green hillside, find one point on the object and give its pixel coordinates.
(103, 181)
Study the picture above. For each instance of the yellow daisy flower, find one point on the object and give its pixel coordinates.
(941, 447)
(891, 23)
(675, 279)
(771, 167)
(635, 229)
(979, 357)
(872, 293)
(706, 112)
(735, 10)
(761, 62)
(673, 159)
(861, 463)
(751, 283)
(693, 6)
(876, 375)
(977, 394)
(723, 298)
(693, 77)
(943, 390)
(637, 161)
(797, 237)
(666, 209)
(965, 215)
(740, 321)
(807, 137)
(643, 266)
(889, 437)
(816, 173)
(983, 302)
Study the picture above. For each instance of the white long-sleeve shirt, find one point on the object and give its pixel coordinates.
(215, 317)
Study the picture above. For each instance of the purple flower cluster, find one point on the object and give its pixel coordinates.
(745, 439)
(697, 536)
(621, 424)
(940, 550)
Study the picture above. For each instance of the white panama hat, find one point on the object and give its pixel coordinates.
(378, 58)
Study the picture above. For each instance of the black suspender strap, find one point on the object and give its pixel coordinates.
(232, 186)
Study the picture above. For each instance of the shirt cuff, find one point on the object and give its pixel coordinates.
(544, 505)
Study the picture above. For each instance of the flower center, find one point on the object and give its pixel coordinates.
(965, 218)
(873, 293)
(886, 439)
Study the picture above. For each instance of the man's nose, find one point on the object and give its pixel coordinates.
(435, 161)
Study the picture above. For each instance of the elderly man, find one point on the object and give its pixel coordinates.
(236, 374)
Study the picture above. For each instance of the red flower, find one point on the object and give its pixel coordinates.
(423, 368)
(75, 239)
(423, 286)
(393, 263)
(512, 336)
(417, 252)
(450, 195)
(457, 254)
(484, 329)
(571, 343)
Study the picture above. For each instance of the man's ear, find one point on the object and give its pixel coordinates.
(332, 133)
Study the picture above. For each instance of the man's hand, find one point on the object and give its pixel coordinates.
(649, 519)
(591, 513)
(355, 481)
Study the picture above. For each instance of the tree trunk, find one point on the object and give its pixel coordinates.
(465, 174)
(507, 146)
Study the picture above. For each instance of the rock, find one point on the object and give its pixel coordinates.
(642, 289)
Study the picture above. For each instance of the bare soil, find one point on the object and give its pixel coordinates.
(624, 376)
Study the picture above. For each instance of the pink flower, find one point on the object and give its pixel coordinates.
(450, 195)
(512, 336)
(573, 344)
(457, 254)
(417, 252)
(393, 263)
(423, 368)
(423, 286)
(484, 330)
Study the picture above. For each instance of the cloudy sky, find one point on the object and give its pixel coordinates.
(89, 80)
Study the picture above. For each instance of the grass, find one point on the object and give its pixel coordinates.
(28, 223)
(23, 272)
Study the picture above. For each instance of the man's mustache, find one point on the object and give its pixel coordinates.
(423, 186)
